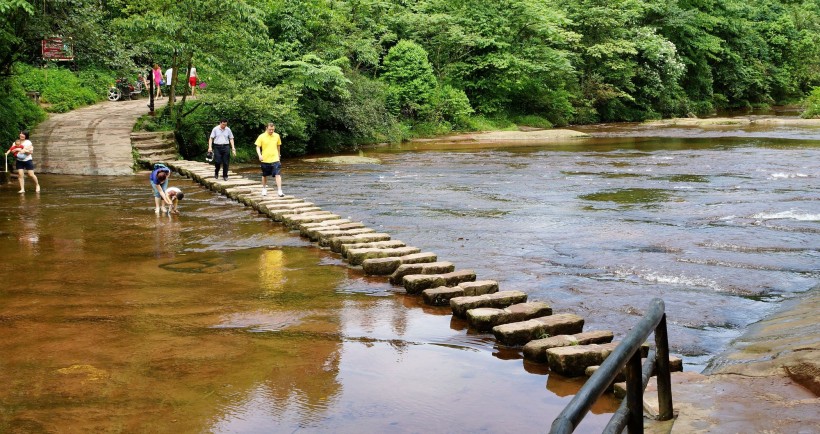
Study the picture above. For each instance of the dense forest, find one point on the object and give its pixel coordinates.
(335, 74)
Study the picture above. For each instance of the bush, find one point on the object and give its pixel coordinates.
(812, 105)
(17, 111)
(532, 121)
(60, 89)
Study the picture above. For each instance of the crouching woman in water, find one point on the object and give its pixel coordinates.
(159, 184)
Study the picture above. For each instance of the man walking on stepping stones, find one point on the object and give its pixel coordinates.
(221, 137)
(268, 147)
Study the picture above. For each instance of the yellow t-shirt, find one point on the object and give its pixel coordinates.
(270, 146)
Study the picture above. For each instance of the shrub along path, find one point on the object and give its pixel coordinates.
(93, 140)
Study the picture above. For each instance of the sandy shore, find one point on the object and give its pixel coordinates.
(736, 121)
(499, 137)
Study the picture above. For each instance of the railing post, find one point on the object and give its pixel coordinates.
(634, 394)
(663, 376)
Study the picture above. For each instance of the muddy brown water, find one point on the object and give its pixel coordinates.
(219, 320)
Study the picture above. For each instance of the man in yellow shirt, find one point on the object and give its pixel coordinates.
(268, 148)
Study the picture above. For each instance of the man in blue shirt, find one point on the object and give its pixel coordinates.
(221, 137)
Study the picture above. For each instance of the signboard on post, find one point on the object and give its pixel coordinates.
(58, 49)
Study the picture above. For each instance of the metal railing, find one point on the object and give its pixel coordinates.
(627, 355)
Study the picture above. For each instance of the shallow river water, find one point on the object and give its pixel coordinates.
(219, 320)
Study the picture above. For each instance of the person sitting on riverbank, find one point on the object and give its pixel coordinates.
(176, 195)
(159, 184)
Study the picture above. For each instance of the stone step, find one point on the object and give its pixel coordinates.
(675, 365)
(420, 268)
(315, 233)
(441, 295)
(265, 207)
(537, 350)
(573, 360)
(326, 237)
(292, 220)
(485, 318)
(335, 243)
(149, 145)
(519, 333)
(357, 256)
(385, 266)
(500, 299)
(390, 244)
(416, 283)
(276, 214)
(151, 135)
(307, 228)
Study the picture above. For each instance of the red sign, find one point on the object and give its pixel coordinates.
(57, 49)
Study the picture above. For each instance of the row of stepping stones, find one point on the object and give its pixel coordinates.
(555, 339)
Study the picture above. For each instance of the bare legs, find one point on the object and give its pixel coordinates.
(22, 180)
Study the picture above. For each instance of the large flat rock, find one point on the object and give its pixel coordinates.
(485, 318)
(519, 333)
(500, 299)
(536, 350)
(385, 266)
(336, 242)
(416, 283)
(420, 268)
(440, 296)
(357, 256)
(573, 360)
(389, 244)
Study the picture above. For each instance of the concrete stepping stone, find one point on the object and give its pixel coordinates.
(416, 283)
(277, 214)
(573, 360)
(485, 318)
(265, 207)
(357, 256)
(500, 299)
(292, 220)
(519, 333)
(385, 266)
(306, 227)
(336, 243)
(420, 268)
(389, 244)
(441, 296)
(675, 365)
(537, 350)
(314, 233)
(326, 236)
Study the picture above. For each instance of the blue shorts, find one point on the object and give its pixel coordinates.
(25, 165)
(154, 187)
(271, 169)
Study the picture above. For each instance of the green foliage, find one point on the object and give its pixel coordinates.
(532, 121)
(812, 104)
(60, 89)
(410, 79)
(17, 111)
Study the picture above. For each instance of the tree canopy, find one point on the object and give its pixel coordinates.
(334, 74)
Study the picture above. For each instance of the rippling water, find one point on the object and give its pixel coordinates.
(219, 320)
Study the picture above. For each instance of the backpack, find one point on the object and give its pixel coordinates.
(160, 166)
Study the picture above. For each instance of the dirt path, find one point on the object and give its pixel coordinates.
(93, 140)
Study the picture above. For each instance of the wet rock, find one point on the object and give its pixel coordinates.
(416, 283)
(479, 287)
(314, 233)
(485, 318)
(385, 266)
(519, 333)
(572, 361)
(536, 350)
(501, 299)
(305, 228)
(325, 237)
(441, 295)
(336, 243)
(420, 268)
(357, 256)
(277, 214)
(292, 220)
(389, 244)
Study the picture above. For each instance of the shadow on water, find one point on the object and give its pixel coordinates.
(220, 320)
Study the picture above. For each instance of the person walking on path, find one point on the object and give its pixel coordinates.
(269, 150)
(157, 80)
(221, 137)
(192, 80)
(25, 162)
(159, 184)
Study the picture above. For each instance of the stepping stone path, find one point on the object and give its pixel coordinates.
(557, 339)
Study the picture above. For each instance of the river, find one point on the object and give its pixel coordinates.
(219, 320)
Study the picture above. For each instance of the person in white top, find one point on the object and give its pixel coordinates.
(176, 195)
(192, 80)
(25, 163)
(169, 74)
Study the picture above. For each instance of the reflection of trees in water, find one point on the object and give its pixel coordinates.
(271, 271)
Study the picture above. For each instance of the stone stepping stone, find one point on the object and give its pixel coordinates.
(337, 242)
(264, 207)
(537, 350)
(326, 236)
(420, 268)
(485, 318)
(500, 299)
(416, 283)
(276, 214)
(675, 365)
(573, 360)
(314, 233)
(293, 220)
(385, 266)
(519, 333)
(357, 256)
(390, 244)
(441, 296)
(305, 227)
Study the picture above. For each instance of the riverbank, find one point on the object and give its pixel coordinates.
(767, 381)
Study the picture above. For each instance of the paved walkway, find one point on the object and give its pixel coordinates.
(94, 140)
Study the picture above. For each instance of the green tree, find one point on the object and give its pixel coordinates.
(410, 79)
